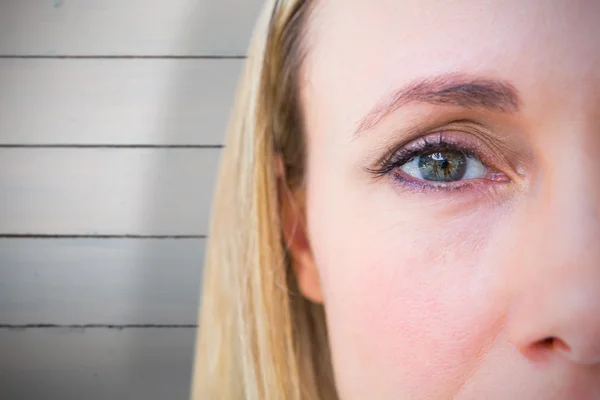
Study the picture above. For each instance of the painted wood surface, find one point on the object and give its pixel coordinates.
(99, 281)
(115, 101)
(133, 27)
(110, 238)
(106, 191)
(96, 364)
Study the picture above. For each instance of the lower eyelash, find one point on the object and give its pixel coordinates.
(422, 186)
(475, 186)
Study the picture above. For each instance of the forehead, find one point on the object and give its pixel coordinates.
(362, 49)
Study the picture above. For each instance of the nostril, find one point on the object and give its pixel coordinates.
(547, 343)
(553, 343)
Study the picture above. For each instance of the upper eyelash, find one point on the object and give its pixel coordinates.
(396, 158)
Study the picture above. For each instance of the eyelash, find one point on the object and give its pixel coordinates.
(395, 159)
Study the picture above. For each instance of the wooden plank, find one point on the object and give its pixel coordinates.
(96, 364)
(100, 281)
(133, 27)
(115, 101)
(106, 191)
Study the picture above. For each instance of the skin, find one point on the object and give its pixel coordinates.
(491, 291)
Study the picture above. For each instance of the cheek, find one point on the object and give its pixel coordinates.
(410, 306)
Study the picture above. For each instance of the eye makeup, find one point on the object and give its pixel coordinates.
(446, 160)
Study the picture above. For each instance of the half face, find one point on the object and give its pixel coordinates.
(453, 196)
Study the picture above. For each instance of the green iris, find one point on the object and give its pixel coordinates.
(442, 166)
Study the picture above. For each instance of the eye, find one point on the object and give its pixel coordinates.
(444, 166)
(442, 161)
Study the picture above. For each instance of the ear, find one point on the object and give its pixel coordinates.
(296, 238)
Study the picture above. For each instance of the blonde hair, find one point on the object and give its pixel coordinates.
(258, 337)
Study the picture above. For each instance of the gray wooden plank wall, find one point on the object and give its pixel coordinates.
(112, 116)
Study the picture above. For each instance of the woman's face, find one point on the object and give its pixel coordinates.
(453, 196)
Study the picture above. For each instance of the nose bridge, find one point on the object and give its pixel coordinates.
(568, 207)
(556, 264)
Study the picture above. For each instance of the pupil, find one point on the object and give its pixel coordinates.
(446, 166)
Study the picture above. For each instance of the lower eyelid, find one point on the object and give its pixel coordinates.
(411, 183)
(422, 186)
(473, 187)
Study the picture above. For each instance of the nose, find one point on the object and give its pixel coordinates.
(555, 274)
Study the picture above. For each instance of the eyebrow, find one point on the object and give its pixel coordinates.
(452, 90)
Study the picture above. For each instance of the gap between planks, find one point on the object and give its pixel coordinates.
(110, 146)
(96, 326)
(120, 57)
(93, 236)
